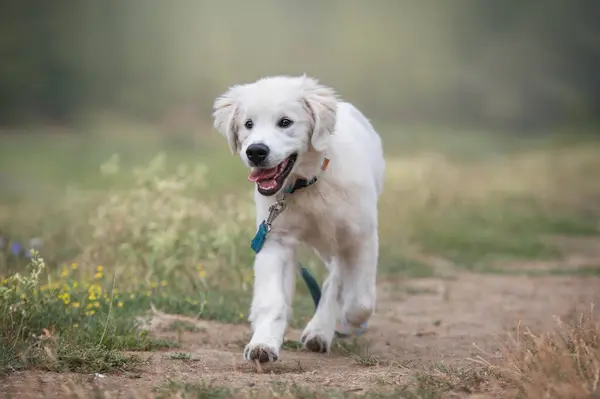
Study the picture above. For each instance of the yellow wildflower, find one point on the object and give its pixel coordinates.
(90, 305)
(75, 304)
(94, 291)
(241, 315)
(95, 287)
(96, 304)
(22, 296)
(66, 298)
(75, 284)
(202, 274)
(120, 304)
(64, 272)
(131, 296)
(98, 275)
(90, 312)
(74, 266)
(76, 325)
(100, 269)
(153, 284)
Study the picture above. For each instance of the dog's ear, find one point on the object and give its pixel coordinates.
(225, 111)
(321, 104)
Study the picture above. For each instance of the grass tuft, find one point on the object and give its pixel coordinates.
(563, 363)
(358, 350)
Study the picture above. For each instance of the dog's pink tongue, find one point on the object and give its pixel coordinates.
(262, 174)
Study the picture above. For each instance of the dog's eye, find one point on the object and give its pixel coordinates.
(249, 124)
(285, 122)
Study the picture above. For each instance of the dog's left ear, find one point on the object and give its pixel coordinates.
(321, 104)
(225, 111)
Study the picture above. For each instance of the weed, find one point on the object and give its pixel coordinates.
(66, 326)
(358, 350)
(440, 378)
(180, 356)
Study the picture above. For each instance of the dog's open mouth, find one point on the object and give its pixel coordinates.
(270, 181)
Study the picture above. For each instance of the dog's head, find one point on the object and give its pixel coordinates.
(274, 123)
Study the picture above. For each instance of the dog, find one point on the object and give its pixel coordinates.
(321, 155)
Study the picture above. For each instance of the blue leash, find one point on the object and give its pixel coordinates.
(311, 283)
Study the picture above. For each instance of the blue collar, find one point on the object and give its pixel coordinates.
(300, 183)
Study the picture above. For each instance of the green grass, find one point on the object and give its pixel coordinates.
(180, 356)
(173, 230)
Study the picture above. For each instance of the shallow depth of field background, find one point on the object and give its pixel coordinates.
(109, 164)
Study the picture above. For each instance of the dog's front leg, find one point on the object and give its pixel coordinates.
(270, 308)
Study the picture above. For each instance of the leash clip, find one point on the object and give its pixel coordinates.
(275, 210)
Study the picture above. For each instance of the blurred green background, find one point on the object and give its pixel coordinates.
(509, 64)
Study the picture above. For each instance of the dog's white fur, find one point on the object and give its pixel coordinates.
(337, 216)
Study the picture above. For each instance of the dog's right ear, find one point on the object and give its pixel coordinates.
(225, 111)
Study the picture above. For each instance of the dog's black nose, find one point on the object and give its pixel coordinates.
(257, 153)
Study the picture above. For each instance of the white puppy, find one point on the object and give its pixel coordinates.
(289, 130)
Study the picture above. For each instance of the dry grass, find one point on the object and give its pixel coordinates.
(561, 364)
(564, 363)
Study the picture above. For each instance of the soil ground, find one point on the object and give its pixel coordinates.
(418, 322)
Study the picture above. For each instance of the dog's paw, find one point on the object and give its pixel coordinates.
(261, 352)
(317, 336)
(316, 343)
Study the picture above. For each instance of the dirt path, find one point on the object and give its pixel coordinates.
(418, 322)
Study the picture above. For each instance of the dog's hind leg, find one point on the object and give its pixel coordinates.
(320, 330)
(358, 283)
